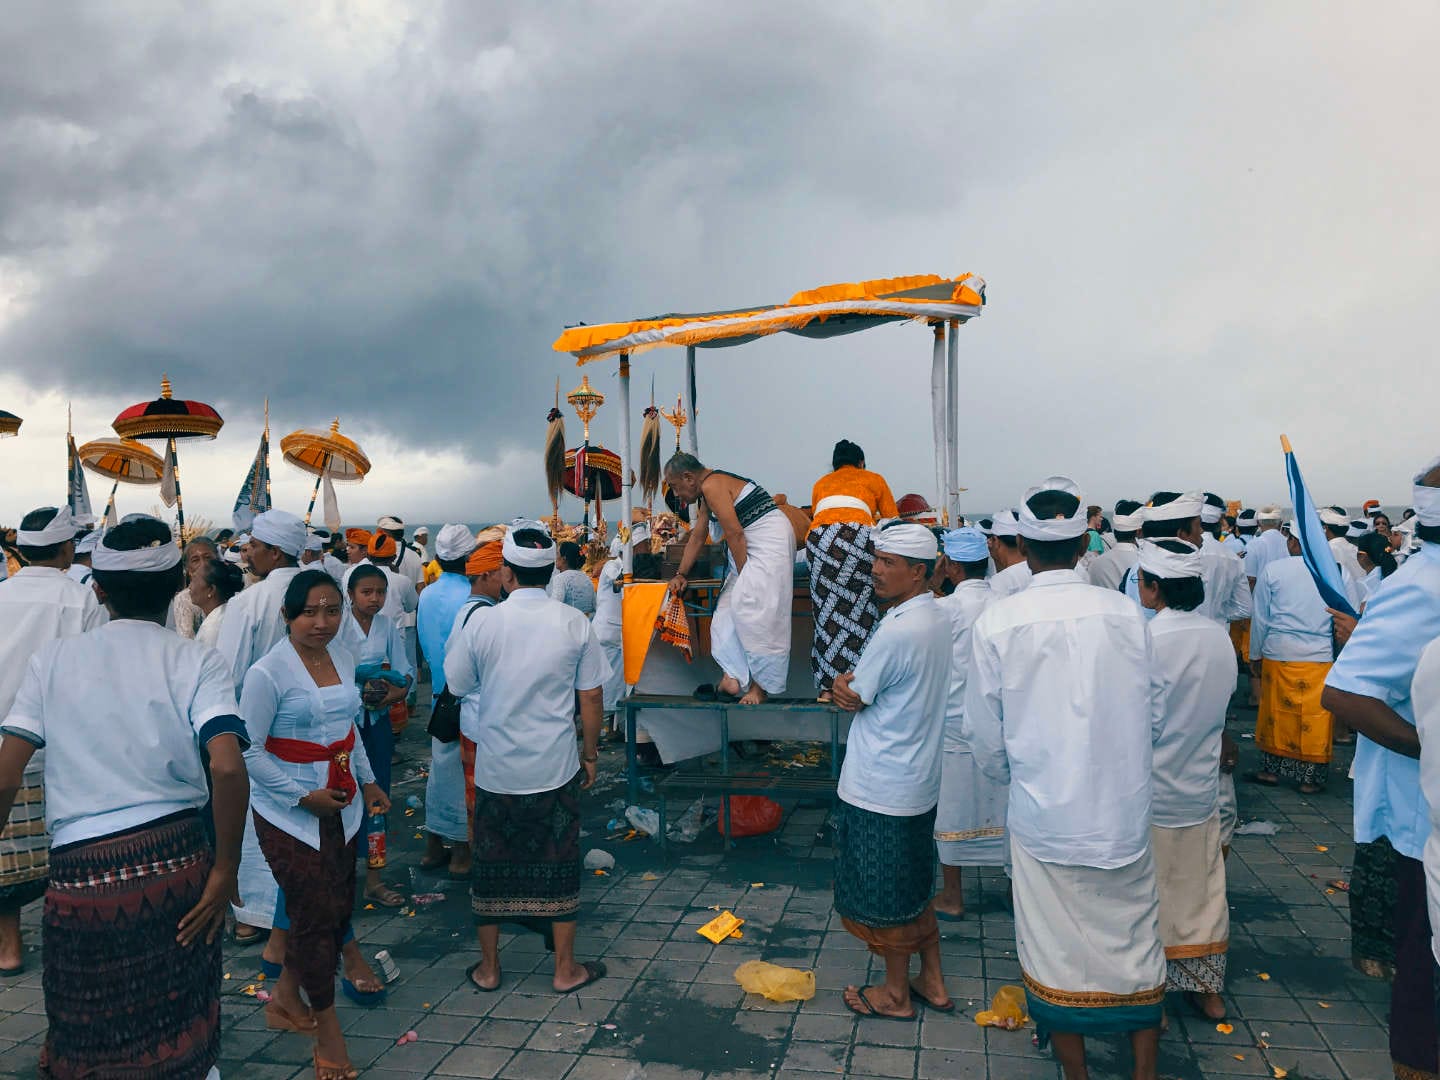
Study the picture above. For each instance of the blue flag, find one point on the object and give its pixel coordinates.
(254, 497)
(1314, 548)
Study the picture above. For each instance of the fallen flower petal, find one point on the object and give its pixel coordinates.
(1224, 1029)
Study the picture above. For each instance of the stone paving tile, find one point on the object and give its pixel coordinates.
(670, 1008)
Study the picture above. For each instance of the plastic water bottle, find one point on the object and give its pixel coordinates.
(375, 841)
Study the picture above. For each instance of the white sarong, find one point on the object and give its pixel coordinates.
(970, 818)
(750, 633)
(1194, 915)
(1088, 937)
(259, 894)
(445, 793)
(1228, 810)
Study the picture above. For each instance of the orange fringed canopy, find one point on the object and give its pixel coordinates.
(829, 311)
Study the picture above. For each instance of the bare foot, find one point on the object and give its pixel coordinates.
(754, 696)
(952, 906)
(728, 685)
(460, 861)
(1212, 1006)
(361, 975)
(875, 1001)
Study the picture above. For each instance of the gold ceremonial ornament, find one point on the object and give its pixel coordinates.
(677, 418)
(586, 401)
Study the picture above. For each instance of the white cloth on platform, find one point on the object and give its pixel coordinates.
(970, 817)
(750, 632)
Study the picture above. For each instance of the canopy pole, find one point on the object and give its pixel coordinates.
(952, 424)
(690, 400)
(937, 413)
(179, 498)
(627, 493)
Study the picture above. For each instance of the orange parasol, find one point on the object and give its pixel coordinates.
(124, 461)
(169, 418)
(9, 424)
(327, 456)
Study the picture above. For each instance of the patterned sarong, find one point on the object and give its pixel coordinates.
(1372, 910)
(1291, 723)
(24, 844)
(1413, 1032)
(1194, 915)
(841, 557)
(884, 866)
(122, 997)
(526, 867)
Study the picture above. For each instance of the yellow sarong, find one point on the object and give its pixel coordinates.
(1291, 723)
(1240, 638)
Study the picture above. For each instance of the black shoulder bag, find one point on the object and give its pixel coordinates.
(445, 710)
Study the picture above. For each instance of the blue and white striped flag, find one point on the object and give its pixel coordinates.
(1314, 547)
(254, 497)
(77, 493)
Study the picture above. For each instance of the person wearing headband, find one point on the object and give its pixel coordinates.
(357, 546)
(1012, 573)
(1108, 570)
(1267, 545)
(315, 557)
(570, 584)
(518, 666)
(848, 501)
(137, 729)
(1337, 525)
(445, 816)
(409, 564)
(1291, 649)
(970, 817)
(889, 786)
(1062, 703)
(38, 604)
(79, 568)
(750, 631)
(1172, 515)
(253, 625)
(1397, 785)
(1197, 668)
(401, 599)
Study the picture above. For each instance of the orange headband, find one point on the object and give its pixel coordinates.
(484, 559)
(381, 546)
(357, 536)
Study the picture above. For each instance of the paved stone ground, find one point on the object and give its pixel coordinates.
(671, 1009)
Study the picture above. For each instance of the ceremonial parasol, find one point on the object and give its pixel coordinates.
(169, 418)
(327, 456)
(124, 461)
(9, 424)
(598, 476)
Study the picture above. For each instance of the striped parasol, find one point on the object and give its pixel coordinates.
(9, 424)
(169, 418)
(327, 456)
(124, 461)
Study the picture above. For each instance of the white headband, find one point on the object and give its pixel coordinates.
(1211, 515)
(531, 558)
(909, 541)
(1329, 516)
(454, 542)
(61, 528)
(1186, 506)
(280, 530)
(1426, 500)
(1005, 523)
(389, 523)
(158, 556)
(86, 544)
(1129, 523)
(1033, 528)
(1355, 531)
(1268, 514)
(1162, 563)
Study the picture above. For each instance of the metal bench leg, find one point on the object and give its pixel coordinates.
(632, 761)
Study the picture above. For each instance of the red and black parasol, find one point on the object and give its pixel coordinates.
(169, 418)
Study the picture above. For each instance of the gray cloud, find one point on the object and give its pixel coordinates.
(388, 211)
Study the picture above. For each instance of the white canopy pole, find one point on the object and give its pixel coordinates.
(952, 424)
(627, 495)
(690, 399)
(937, 411)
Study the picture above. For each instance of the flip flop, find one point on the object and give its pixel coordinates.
(366, 999)
(329, 1070)
(945, 916)
(875, 1013)
(1192, 999)
(483, 989)
(385, 897)
(948, 1007)
(593, 973)
(10, 973)
(281, 1019)
(243, 940)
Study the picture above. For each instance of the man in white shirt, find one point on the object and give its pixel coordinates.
(253, 624)
(1063, 703)
(522, 661)
(409, 565)
(1012, 572)
(1108, 570)
(1425, 694)
(970, 818)
(1196, 663)
(1291, 650)
(1268, 544)
(1173, 515)
(84, 548)
(890, 782)
(38, 604)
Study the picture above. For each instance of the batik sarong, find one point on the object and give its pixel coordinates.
(526, 867)
(885, 878)
(1089, 945)
(1291, 724)
(123, 998)
(1413, 1033)
(1372, 909)
(1194, 914)
(24, 844)
(750, 632)
(318, 889)
(842, 593)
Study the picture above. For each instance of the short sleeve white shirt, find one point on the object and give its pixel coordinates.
(39, 604)
(254, 622)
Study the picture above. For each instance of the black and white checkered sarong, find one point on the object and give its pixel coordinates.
(841, 557)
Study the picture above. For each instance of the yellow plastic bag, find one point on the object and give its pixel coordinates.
(1006, 1011)
(775, 982)
(724, 925)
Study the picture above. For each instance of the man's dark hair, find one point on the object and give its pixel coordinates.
(1125, 507)
(681, 462)
(297, 593)
(570, 552)
(534, 576)
(1333, 532)
(974, 570)
(34, 521)
(1214, 500)
(1429, 533)
(846, 453)
(1182, 594)
(1011, 542)
(453, 566)
(139, 594)
(1378, 551)
(985, 525)
(363, 572)
(1048, 505)
(1160, 530)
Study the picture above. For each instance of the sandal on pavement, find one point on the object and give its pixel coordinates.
(278, 1018)
(476, 983)
(871, 1012)
(366, 999)
(385, 896)
(427, 863)
(948, 1007)
(593, 973)
(328, 1070)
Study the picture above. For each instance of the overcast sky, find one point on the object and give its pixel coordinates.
(1201, 225)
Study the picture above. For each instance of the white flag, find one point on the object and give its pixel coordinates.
(332, 507)
(169, 486)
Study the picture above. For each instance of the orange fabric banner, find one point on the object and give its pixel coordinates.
(639, 608)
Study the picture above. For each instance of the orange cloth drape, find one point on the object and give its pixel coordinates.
(640, 605)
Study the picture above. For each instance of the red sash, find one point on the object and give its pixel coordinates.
(299, 752)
